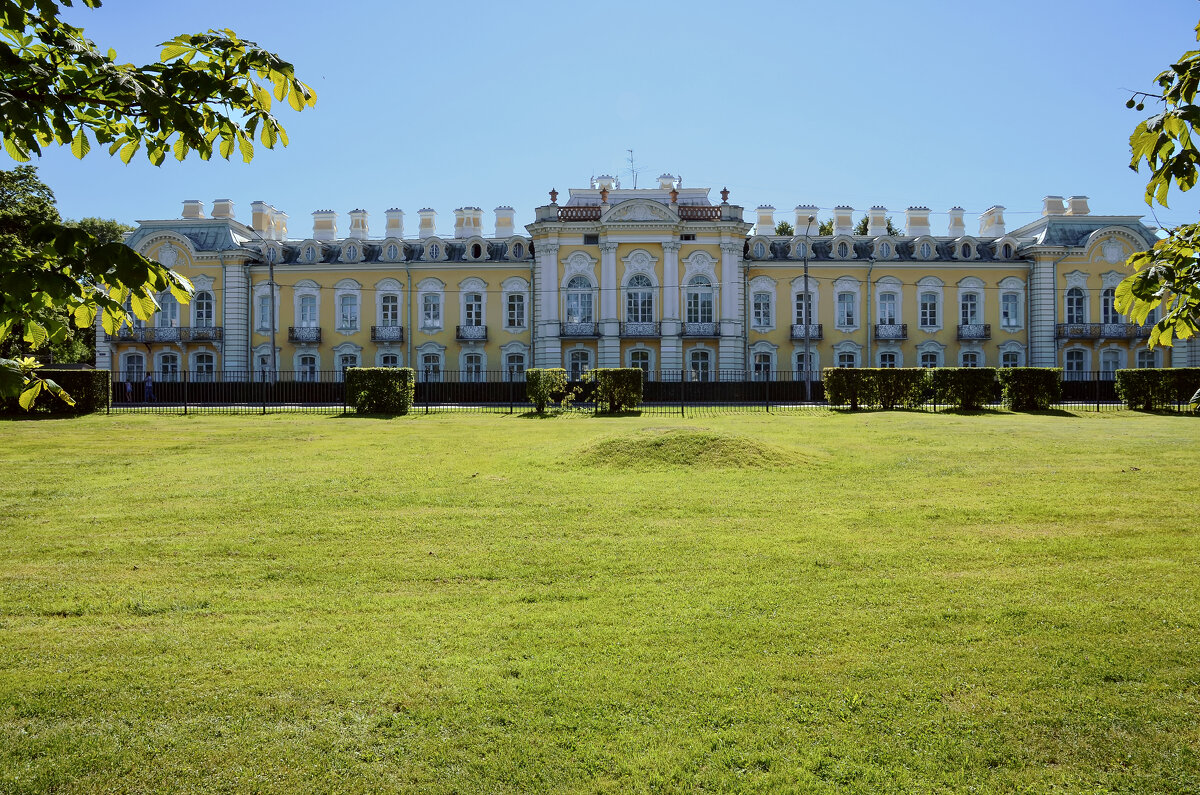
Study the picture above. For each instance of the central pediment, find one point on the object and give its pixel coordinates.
(640, 210)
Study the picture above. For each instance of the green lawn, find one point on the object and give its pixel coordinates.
(881, 602)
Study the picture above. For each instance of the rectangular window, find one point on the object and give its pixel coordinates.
(687, 236)
(762, 309)
(514, 366)
(516, 310)
(580, 362)
(308, 368)
(845, 309)
(1147, 358)
(887, 359)
(1009, 359)
(1009, 317)
(640, 360)
(348, 312)
(591, 240)
(473, 309)
(390, 306)
(970, 360)
(431, 310)
(700, 366)
(929, 312)
(803, 309)
(472, 367)
(929, 359)
(970, 309)
(847, 360)
(389, 360)
(762, 366)
(308, 311)
(264, 312)
(887, 308)
(431, 367)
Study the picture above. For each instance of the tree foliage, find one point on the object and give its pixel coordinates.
(864, 224)
(784, 229)
(1167, 276)
(210, 93)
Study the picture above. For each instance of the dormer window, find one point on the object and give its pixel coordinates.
(1007, 251)
(476, 251)
(843, 250)
(800, 249)
(965, 251)
(310, 254)
(435, 251)
(272, 254)
(885, 250)
(351, 253)
(926, 251)
(518, 251)
(392, 252)
(760, 251)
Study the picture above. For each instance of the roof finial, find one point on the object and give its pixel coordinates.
(553, 196)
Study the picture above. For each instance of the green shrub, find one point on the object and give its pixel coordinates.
(1030, 388)
(544, 385)
(1149, 388)
(617, 388)
(90, 390)
(899, 387)
(380, 390)
(847, 386)
(963, 387)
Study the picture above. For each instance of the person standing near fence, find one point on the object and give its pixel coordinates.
(149, 398)
(128, 391)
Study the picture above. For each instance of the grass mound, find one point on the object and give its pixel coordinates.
(686, 447)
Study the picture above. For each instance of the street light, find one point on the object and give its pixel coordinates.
(807, 318)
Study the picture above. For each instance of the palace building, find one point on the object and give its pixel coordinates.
(667, 278)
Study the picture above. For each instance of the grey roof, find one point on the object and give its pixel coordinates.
(213, 235)
(1073, 230)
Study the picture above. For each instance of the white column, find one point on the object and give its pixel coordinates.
(733, 343)
(670, 349)
(548, 348)
(1042, 298)
(609, 348)
(235, 344)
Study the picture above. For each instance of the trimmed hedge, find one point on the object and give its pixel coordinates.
(89, 388)
(963, 387)
(544, 385)
(380, 390)
(1030, 388)
(617, 388)
(1152, 388)
(886, 387)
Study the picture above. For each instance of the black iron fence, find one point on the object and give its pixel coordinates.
(678, 392)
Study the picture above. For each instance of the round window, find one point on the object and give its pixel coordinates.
(392, 252)
(885, 250)
(476, 251)
(760, 251)
(843, 250)
(518, 251)
(966, 251)
(435, 251)
(926, 251)
(1007, 251)
(801, 250)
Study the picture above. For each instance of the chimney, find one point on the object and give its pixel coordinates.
(358, 224)
(280, 223)
(193, 208)
(222, 208)
(957, 227)
(604, 182)
(475, 221)
(766, 220)
(991, 223)
(877, 221)
(666, 181)
(504, 221)
(916, 221)
(262, 219)
(803, 212)
(843, 220)
(395, 223)
(1053, 205)
(1077, 205)
(324, 225)
(428, 221)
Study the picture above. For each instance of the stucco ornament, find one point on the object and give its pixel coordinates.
(1113, 252)
(168, 255)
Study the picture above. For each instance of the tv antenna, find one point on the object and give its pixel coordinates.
(632, 170)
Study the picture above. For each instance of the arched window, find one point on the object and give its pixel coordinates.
(348, 311)
(473, 367)
(929, 359)
(389, 360)
(435, 251)
(887, 359)
(970, 309)
(843, 250)
(699, 300)
(970, 359)
(760, 251)
(472, 309)
(476, 251)
(1010, 359)
(1073, 361)
(639, 300)
(1110, 362)
(640, 359)
(1075, 306)
(390, 310)
(763, 364)
(518, 251)
(885, 250)
(310, 254)
(700, 363)
(847, 359)
(347, 360)
(1006, 251)
(514, 366)
(1147, 358)
(168, 315)
(308, 311)
(204, 309)
(580, 301)
(929, 310)
(133, 367)
(578, 363)
(1108, 311)
(308, 368)
(352, 253)
(431, 367)
(804, 365)
(926, 251)
(168, 366)
(392, 252)
(965, 251)
(206, 367)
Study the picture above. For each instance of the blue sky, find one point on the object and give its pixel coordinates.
(446, 104)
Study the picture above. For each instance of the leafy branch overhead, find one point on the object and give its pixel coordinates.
(211, 93)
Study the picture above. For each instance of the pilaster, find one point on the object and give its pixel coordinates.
(732, 350)
(548, 350)
(235, 316)
(1042, 303)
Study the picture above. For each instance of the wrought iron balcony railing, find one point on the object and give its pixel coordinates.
(641, 329)
(1095, 331)
(170, 334)
(304, 333)
(204, 333)
(387, 333)
(814, 331)
(891, 331)
(575, 329)
(974, 331)
(470, 333)
(701, 330)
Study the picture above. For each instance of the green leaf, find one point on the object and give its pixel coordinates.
(181, 149)
(128, 151)
(14, 151)
(30, 394)
(80, 145)
(144, 305)
(84, 315)
(247, 147)
(35, 334)
(58, 392)
(173, 51)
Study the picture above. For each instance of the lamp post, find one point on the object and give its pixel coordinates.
(807, 318)
(271, 284)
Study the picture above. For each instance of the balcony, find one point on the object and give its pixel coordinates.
(578, 330)
(204, 333)
(170, 334)
(387, 333)
(701, 330)
(591, 213)
(640, 329)
(470, 333)
(814, 331)
(304, 333)
(1095, 331)
(689, 212)
(891, 331)
(974, 331)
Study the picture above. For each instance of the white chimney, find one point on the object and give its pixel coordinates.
(504, 221)
(604, 182)
(957, 227)
(803, 213)
(222, 208)
(843, 220)
(1077, 205)
(916, 221)
(193, 208)
(324, 225)
(1053, 205)
(358, 224)
(395, 223)
(666, 181)
(766, 220)
(991, 223)
(474, 221)
(428, 226)
(279, 222)
(877, 221)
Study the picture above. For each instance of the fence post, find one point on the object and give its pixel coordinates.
(426, 382)
(682, 379)
(512, 385)
(185, 394)
(263, 389)
(767, 391)
(1097, 374)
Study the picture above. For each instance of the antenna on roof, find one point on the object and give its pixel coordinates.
(632, 170)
